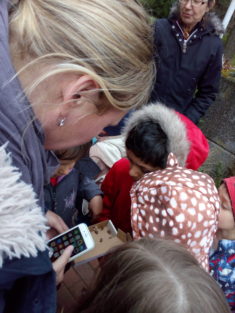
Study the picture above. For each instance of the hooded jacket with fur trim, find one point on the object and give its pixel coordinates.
(188, 70)
(170, 123)
(117, 183)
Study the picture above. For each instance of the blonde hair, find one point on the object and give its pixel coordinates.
(152, 275)
(110, 40)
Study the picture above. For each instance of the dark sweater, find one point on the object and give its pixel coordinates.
(66, 197)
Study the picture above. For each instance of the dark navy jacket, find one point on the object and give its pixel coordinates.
(28, 285)
(188, 72)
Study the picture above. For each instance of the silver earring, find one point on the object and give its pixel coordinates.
(61, 122)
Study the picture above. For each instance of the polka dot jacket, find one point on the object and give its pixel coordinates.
(179, 204)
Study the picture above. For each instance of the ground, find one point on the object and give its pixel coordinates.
(76, 281)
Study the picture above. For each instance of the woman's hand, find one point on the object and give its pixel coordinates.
(56, 224)
(60, 263)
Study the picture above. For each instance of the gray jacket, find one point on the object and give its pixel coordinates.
(27, 281)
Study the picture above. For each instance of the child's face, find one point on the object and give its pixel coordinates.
(137, 167)
(65, 167)
(226, 218)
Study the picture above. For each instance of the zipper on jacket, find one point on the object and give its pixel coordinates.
(185, 42)
(184, 46)
(54, 198)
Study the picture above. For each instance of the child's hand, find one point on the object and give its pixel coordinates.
(56, 224)
(96, 206)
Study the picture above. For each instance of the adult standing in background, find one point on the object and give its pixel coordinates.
(188, 57)
(66, 73)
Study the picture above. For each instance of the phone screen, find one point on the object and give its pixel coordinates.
(72, 237)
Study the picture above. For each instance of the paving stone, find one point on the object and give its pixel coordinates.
(220, 163)
(71, 277)
(65, 300)
(86, 272)
(219, 122)
(76, 281)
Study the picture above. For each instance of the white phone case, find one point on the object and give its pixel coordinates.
(79, 236)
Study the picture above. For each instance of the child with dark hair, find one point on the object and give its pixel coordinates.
(147, 276)
(222, 260)
(71, 194)
(188, 144)
(169, 200)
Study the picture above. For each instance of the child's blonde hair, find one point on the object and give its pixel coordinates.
(74, 153)
(157, 276)
(110, 40)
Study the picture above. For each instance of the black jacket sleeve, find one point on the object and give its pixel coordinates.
(207, 88)
(89, 188)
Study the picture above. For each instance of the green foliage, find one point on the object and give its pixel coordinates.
(157, 8)
(221, 7)
(216, 171)
(161, 8)
(232, 61)
(225, 38)
(229, 74)
(218, 174)
(201, 123)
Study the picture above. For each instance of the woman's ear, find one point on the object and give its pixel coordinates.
(80, 89)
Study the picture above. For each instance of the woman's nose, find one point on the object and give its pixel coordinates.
(188, 4)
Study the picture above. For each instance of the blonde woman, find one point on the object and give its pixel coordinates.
(68, 69)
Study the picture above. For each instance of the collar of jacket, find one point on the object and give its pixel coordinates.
(177, 30)
(23, 226)
(210, 23)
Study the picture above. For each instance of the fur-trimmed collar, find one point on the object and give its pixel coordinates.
(210, 21)
(23, 226)
(170, 123)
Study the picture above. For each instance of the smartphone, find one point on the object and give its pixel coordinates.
(78, 236)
